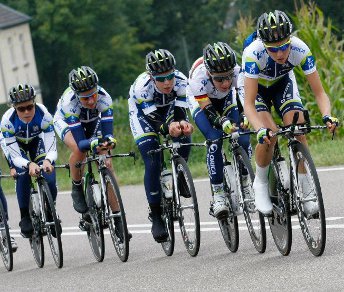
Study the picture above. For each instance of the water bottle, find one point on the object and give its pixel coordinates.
(97, 195)
(35, 202)
(283, 171)
(229, 175)
(166, 183)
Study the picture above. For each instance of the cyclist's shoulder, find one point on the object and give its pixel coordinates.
(9, 115)
(143, 87)
(298, 46)
(198, 70)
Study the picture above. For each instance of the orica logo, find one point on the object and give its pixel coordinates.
(213, 148)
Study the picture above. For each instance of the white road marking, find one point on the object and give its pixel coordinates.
(207, 226)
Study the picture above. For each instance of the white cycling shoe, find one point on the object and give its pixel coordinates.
(262, 198)
(220, 206)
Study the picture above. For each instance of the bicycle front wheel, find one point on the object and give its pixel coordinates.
(117, 219)
(230, 231)
(5, 241)
(187, 211)
(254, 219)
(309, 200)
(95, 233)
(280, 221)
(36, 240)
(52, 224)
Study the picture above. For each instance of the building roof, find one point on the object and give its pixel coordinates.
(10, 17)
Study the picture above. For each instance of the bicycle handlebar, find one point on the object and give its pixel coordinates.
(173, 145)
(231, 136)
(97, 157)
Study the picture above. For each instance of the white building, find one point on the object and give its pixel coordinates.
(17, 60)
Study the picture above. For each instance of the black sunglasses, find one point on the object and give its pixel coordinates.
(220, 79)
(25, 108)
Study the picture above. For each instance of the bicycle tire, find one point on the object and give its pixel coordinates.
(36, 240)
(188, 221)
(5, 241)
(96, 233)
(167, 217)
(119, 233)
(230, 232)
(316, 241)
(254, 220)
(53, 228)
(280, 221)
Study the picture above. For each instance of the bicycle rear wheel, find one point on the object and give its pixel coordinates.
(117, 219)
(254, 219)
(307, 190)
(52, 224)
(36, 240)
(280, 221)
(96, 233)
(5, 241)
(187, 211)
(167, 217)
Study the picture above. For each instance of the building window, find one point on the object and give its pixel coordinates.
(13, 59)
(23, 49)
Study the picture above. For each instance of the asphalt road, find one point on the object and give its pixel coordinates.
(215, 267)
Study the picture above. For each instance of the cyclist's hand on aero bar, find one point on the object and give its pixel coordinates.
(244, 123)
(175, 129)
(263, 135)
(47, 166)
(33, 168)
(186, 127)
(227, 126)
(330, 122)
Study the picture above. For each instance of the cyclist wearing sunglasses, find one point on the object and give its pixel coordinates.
(84, 120)
(268, 63)
(30, 140)
(213, 97)
(158, 105)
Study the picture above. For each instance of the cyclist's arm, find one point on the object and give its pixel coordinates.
(320, 95)
(107, 122)
(49, 137)
(6, 152)
(251, 91)
(11, 144)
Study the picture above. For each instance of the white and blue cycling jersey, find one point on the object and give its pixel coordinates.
(277, 84)
(17, 134)
(146, 100)
(259, 65)
(84, 123)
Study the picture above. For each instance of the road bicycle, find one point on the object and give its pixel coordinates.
(292, 188)
(179, 200)
(45, 221)
(238, 177)
(105, 208)
(5, 239)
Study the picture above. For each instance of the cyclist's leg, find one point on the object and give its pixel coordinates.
(214, 162)
(287, 109)
(23, 184)
(263, 154)
(147, 139)
(64, 133)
